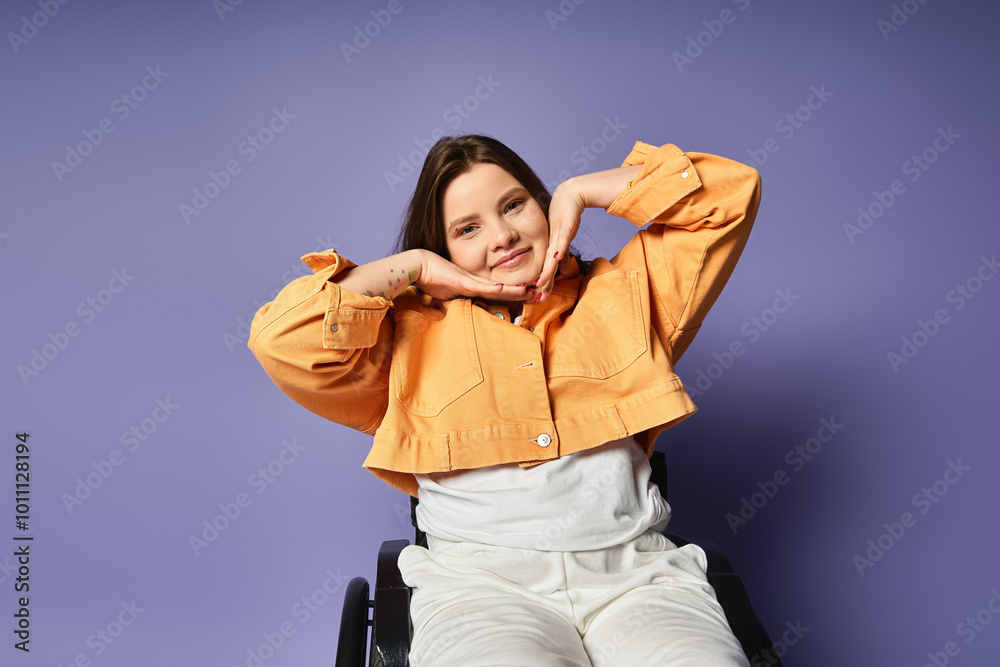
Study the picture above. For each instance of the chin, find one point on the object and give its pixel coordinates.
(517, 276)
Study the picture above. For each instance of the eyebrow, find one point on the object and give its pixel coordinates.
(475, 216)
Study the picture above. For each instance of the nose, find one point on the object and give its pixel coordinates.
(504, 234)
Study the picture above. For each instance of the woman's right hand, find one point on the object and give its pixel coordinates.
(441, 279)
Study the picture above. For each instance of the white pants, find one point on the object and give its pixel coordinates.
(645, 602)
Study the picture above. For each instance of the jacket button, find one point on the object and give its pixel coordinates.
(544, 440)
(333, 327)
(684, 174)
(500, 315)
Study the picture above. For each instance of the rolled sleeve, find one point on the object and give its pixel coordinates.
(667, 176)
(318, 342)
(703, 207)
(350, 320)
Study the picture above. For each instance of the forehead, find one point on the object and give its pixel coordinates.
(476, 189)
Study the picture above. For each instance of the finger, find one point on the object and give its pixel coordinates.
(512, 293)
(550, 264)
(472, 286)
(476, 286)
(547, 280)
(557, 252)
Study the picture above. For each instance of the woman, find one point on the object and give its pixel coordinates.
(519, 394)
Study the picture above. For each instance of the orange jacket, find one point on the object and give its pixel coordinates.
(456, 385)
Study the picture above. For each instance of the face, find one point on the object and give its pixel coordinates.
(493, 227)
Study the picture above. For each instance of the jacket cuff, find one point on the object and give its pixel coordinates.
(667, 176)
(352, 320)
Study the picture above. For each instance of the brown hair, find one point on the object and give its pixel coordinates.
(423, 226)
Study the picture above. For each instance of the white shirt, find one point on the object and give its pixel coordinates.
(592, 499)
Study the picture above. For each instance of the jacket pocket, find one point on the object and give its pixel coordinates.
(435, 361)
(604, 333)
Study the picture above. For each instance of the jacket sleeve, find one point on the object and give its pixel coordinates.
(327, 347)
(702, 207)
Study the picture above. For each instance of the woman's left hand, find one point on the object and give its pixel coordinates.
(596, 190)
(565, 209)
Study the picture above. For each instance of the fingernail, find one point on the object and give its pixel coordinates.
(556, 256)
(535, 284)
(499, 284)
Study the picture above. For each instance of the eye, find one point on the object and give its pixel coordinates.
(514, 205)
(468, 229)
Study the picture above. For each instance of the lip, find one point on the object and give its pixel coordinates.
(513, 259)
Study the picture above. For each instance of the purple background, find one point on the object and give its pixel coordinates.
(177, 330)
